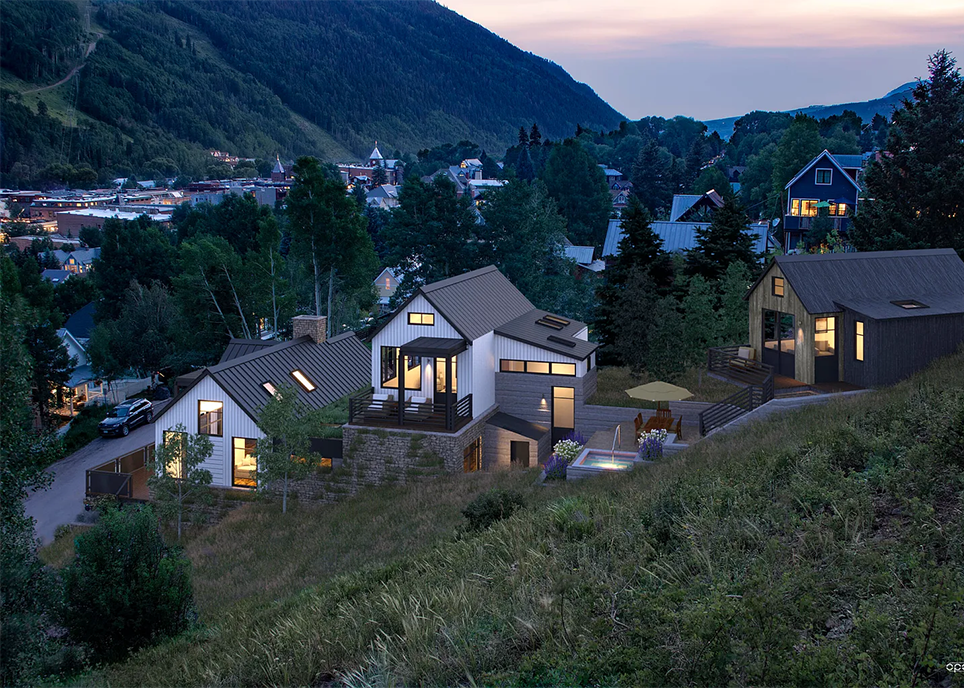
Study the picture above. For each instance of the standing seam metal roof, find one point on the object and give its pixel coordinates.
(477, 302)
(336, 367)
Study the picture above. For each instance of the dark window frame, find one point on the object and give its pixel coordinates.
(525, 367)
(421, 317)
(234, 479)
(204, 421)
(816, 178)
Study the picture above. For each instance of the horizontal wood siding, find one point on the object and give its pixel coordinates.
(236, 423)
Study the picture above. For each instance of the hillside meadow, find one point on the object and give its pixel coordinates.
(821, 547)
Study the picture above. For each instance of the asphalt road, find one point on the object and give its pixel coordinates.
(64, 499)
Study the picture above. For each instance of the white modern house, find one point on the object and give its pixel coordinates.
(224, 401)
(470, 357)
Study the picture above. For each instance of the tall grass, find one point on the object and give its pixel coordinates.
(823, 547)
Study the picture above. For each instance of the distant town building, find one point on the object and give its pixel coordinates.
(279, 174)
(69, 223)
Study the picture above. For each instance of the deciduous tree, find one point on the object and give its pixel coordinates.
(177, 480)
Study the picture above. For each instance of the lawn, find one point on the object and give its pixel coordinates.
(613, 381)
(821, 547)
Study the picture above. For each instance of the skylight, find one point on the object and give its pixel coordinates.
(552, 321)
(910, 304)
(269, 388)
(303, 380)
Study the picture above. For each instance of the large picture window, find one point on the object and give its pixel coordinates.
(209, 418)
(244, 464)
(389, 369)
(803, 207)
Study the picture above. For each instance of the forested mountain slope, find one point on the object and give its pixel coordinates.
(171, 78)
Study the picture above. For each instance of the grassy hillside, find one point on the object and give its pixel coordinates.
(172, 78)
(824, 547)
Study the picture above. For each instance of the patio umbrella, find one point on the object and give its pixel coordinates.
(659, 392)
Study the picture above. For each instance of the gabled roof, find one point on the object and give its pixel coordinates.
(237, 348)
(82, 322)
(55, 276)
(676, 236)
(477, 302)
(824, 280)
(682, 203)
(527, 330)
(580, 254)
(336, 367)
(375, 155)
(825, 155)
(849, 161)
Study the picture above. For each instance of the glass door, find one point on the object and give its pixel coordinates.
(825, 350)
(563, 412)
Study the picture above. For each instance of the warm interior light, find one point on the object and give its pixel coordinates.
(269, 388)
(302, 380)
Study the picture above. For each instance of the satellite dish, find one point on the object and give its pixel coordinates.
(775, 222)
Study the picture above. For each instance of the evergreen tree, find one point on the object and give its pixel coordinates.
(524, 169)
(640, 249)
(727, 240)
(523, 137)
(734, 310)
(535, 136)
(916, 187)
(664, 359)
(575, 181)
(431, 233)
(800, 144)
(652, 179)
(490, 169)
(379, 176)
(821, 226)
(700, 321)
(360, 196)
(633, 319)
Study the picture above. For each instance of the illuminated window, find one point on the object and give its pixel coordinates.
(859, 331)
(303, 380)
(388, 282)
(795, 207)
(507, 366)
(563, 368)
(778, 286)
(808, 208)
(176, 443)
(536, 367)
(824, 339)
(269, 388)
(421, 319)
(209, 418)
(389, 369)
(244, 464)
(824, 177)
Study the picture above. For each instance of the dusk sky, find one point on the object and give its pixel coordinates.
(717, 59)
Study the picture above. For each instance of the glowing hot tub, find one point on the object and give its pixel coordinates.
(598, 461)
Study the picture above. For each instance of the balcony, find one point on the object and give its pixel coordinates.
(372, 410)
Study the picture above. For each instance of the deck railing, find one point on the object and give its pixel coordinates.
(115, 477)
(364, 409)
(757, 378)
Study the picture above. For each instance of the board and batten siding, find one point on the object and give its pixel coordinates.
(762, 298)
(513, 350)
(398, 332)
(236, 423)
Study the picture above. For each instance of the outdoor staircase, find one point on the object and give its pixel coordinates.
(757, 378)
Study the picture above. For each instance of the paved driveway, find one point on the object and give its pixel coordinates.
(64, 499)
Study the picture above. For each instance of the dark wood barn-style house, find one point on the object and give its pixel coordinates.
(867, 319)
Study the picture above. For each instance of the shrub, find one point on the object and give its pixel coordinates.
(651, 445)
(126, 588)
(556, 467)
(83, 427)
(492, 506)
(567, 449)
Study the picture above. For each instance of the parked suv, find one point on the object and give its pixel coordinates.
(126, 416)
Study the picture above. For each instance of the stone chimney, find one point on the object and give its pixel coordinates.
(315, 326)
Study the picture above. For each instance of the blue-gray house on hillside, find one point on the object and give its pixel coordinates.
(833, 179)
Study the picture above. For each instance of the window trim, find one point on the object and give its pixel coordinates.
(816, 176)
(783, 286)
(525, 367)
(234, 481)
(422, 316)
(220, 421)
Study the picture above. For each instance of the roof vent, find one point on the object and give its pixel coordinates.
(910, 304)
(552, 321)
(559, 340)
